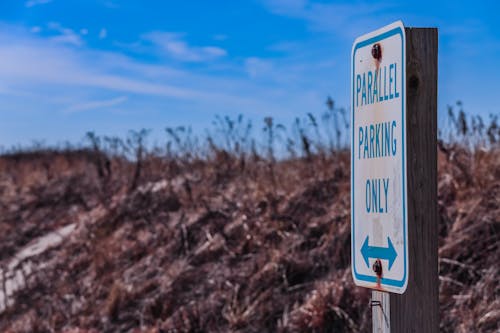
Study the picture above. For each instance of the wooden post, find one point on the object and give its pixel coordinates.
(417, 310)
(381, 312)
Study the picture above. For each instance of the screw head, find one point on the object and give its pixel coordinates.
(377, 51)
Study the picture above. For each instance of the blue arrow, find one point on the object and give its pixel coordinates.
(387, 253)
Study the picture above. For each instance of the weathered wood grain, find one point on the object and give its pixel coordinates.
(417, 310)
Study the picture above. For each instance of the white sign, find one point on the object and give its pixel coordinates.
(378, 160)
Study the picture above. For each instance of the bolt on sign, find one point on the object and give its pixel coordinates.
(378, 160)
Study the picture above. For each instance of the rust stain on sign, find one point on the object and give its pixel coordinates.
(377, 268)
(377, 54)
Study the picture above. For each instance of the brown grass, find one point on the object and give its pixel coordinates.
(228, 240)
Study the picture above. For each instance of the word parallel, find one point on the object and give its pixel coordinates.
(377, 86)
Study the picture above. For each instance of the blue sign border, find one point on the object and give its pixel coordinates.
(362, 277)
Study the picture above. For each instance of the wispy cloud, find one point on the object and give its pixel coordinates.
(29, 63)
(65, 35)
(98, 104)
(39, 64)
(173, 45)
(58, 77)
(32, 3)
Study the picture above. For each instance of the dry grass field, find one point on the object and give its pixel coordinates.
(223, 236)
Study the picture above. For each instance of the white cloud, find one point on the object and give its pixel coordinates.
(68, 38)
(57, 66)
(64, 35)
(56, 76)
(177, 48)
(213, 51)
(31, 63)
(32, 3)
(103, 33)
(98, 104)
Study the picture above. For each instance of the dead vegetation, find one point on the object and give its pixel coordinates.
(227, 234)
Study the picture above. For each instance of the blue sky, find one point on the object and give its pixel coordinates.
(67, 67)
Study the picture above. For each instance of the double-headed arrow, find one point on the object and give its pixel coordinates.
(387, 253)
